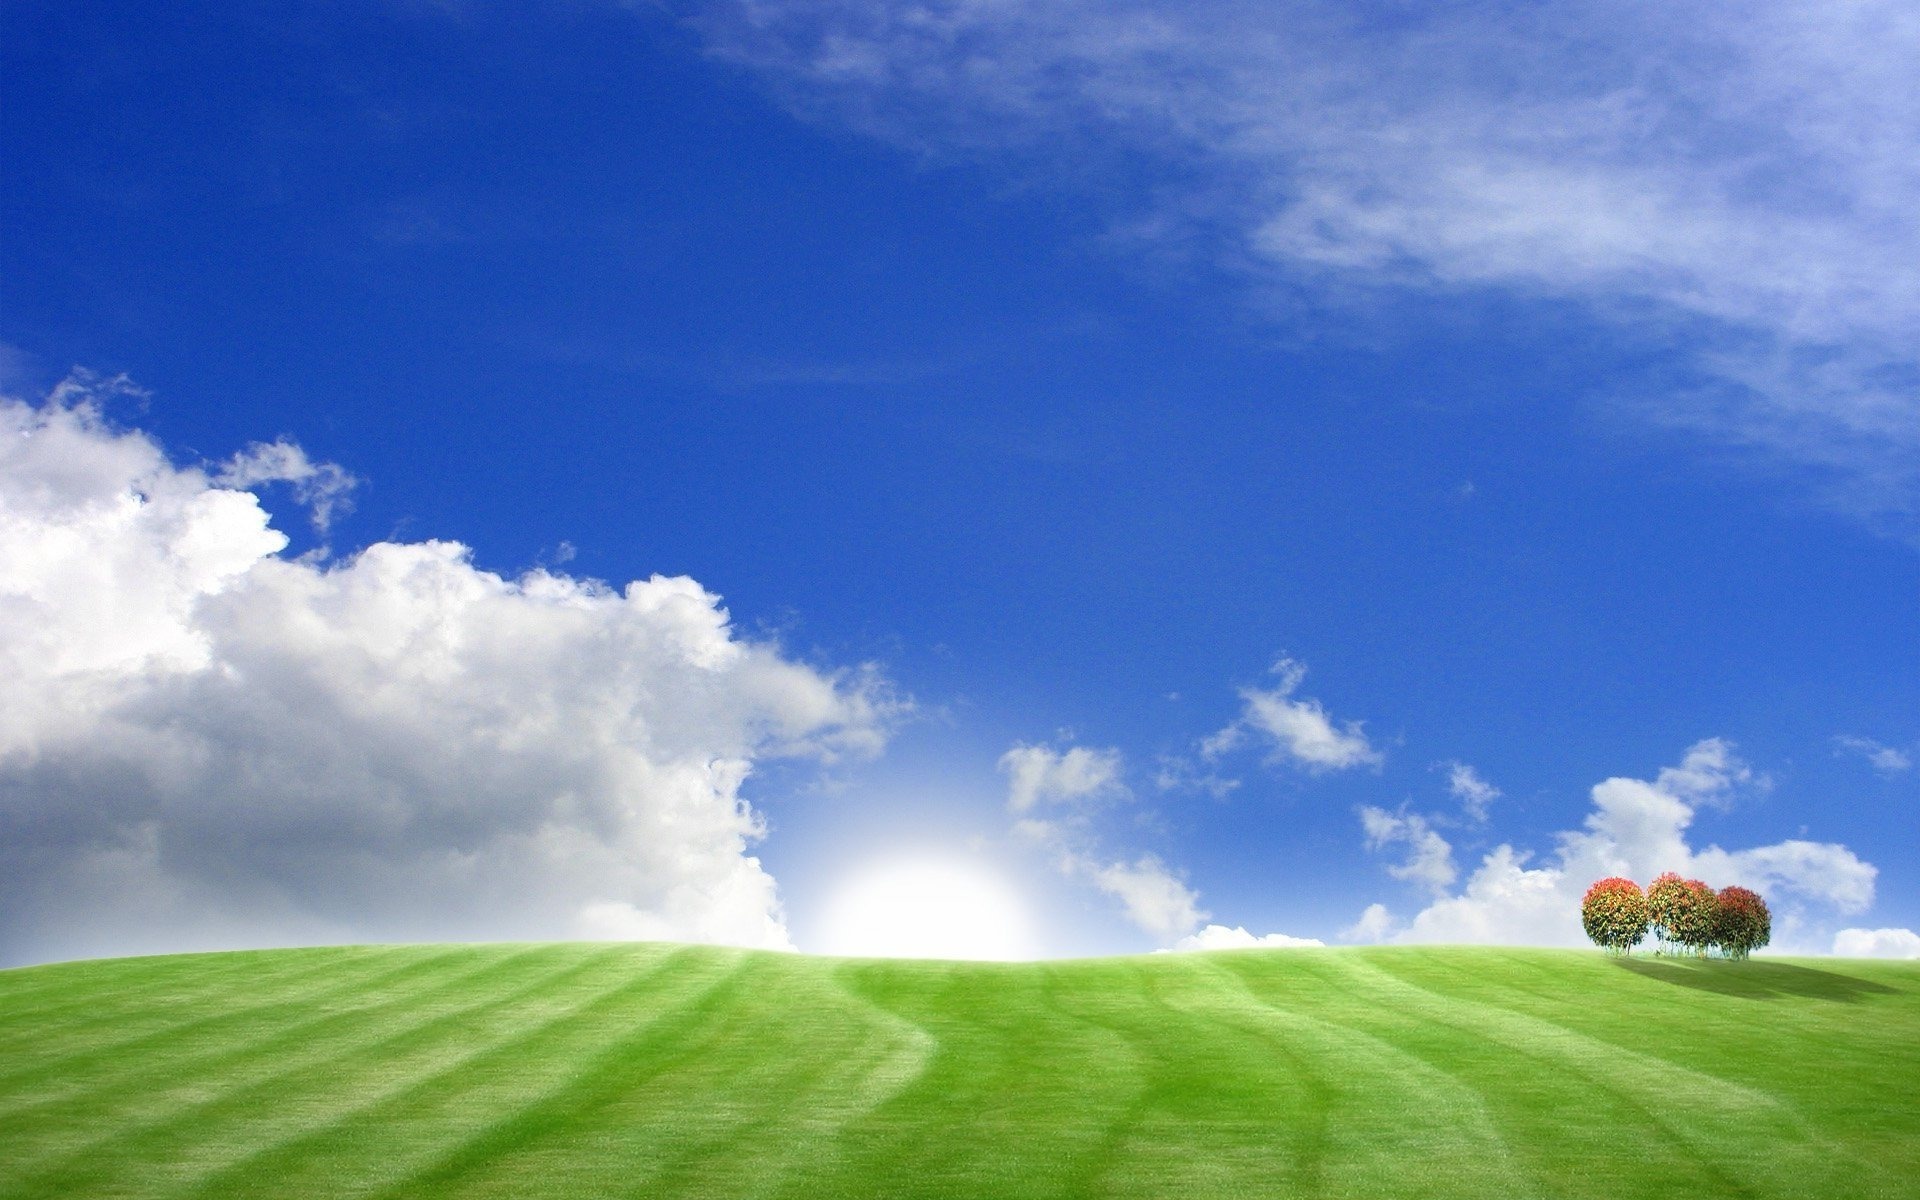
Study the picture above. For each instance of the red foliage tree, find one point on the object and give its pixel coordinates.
(1614, 914)
(1682, 912)
(1741, 922)
(1665, 897)
(1695, 916)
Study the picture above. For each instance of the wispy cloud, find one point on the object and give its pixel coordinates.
(1474, 793)
(1888, 760)
(1429, 861)
(1297, 730)
(325, 488)
(1054, 796)
(1177, 773)
(1155, 899)
(1040, 775)
(1737, 178)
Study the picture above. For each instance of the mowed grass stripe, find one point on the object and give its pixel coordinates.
(1543, 1103)
(1705, 1132)
(456, 1079)
(47, 994)
(125, 1036)
(350, 1074)
(1554, 1090)
(186, 1092)
(1736, 1095)
(128, 998)
(615, 1071)
(1214, 1101)
(1011, 1057)
(1871, 1044)
(528, 1148)
(776, 1084)
(1390, 1105)
(1708, 1115)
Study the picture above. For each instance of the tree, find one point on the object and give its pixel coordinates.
(1695, 917)
(1741, 923)
(1665, 896)
(1614, 914)
(1682, 912)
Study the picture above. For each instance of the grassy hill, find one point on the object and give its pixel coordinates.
(640, 1070)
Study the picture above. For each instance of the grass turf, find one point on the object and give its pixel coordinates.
(639, 1070)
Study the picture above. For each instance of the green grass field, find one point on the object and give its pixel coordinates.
(659, 1071)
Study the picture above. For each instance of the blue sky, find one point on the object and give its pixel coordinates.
(1266, 431)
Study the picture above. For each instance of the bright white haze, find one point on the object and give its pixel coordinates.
(927, 908)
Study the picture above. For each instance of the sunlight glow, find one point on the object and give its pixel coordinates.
(928, 908)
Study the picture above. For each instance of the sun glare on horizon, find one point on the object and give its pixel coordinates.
(928, 908)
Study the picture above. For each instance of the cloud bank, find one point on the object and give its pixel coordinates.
(1222, 937)
(1736, 179)
(206, 744)
(1877, 943)
(1637, 829)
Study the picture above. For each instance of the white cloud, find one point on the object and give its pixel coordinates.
(1638, 829)
(1822, 871)
(1042, 833)
(1474, 793)
(1300, 731)
(1155, 899)
(1429, 861)
(1221, 937)
(204, 744)
(1735, 176)
(1152, 896)
(1178, 774)
(1374, 925)
(322, 487)
(1504, 902)
(1708, 774)
(1877, 943)
(1039, 775)
(1887, 760)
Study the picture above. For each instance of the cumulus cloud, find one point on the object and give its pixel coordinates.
(1877, 943)
(204, 743)
(1429, 861)
(1298, 730)
(1888, 760)
(1222, 937)
(1474, 793)
(1738, 178)
(1039, 775)
(1637, 828)
(1155, 898)
(1375, 923)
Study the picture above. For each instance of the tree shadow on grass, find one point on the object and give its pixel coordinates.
(1755, 980)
